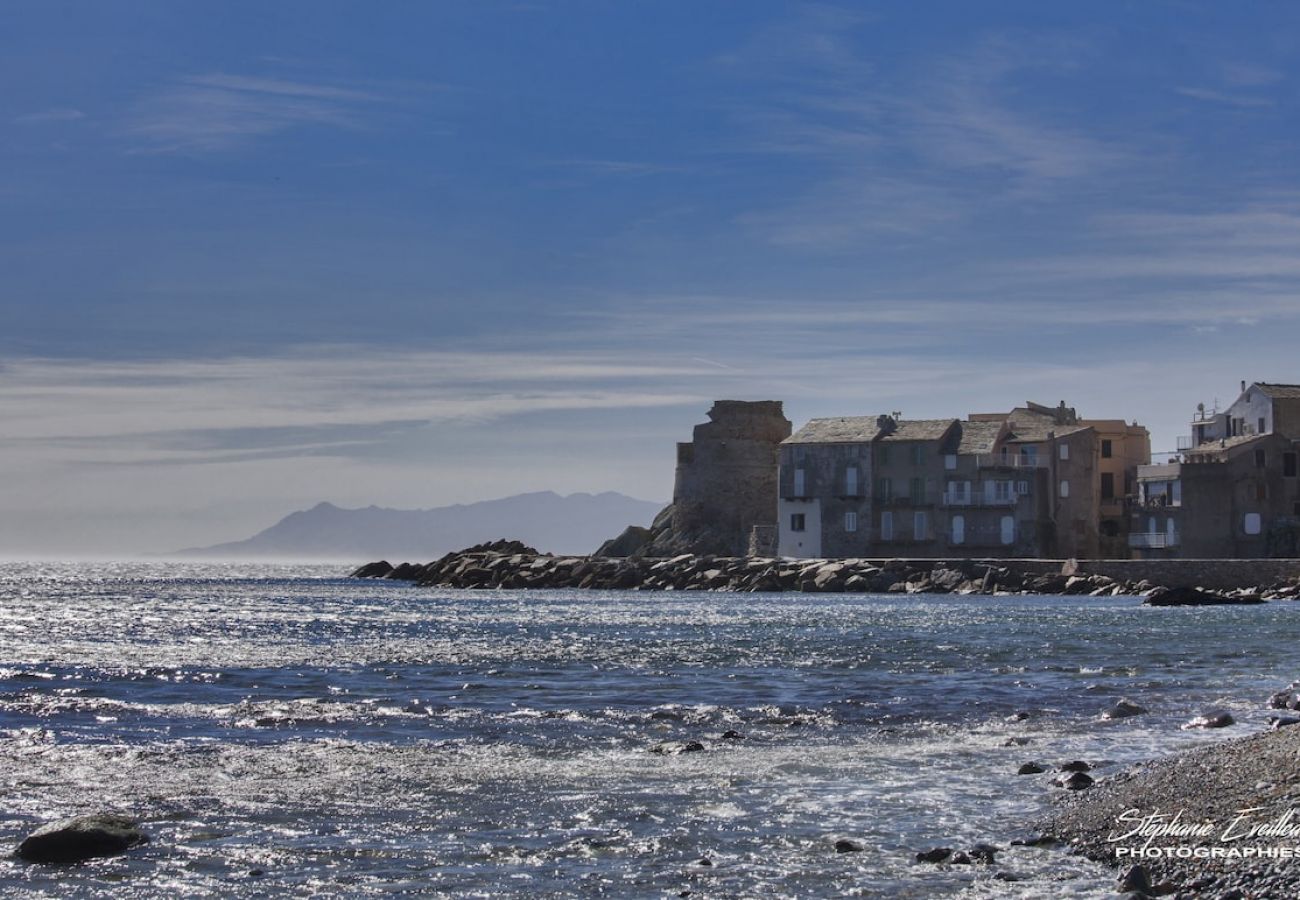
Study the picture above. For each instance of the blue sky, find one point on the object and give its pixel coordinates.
(254, 256)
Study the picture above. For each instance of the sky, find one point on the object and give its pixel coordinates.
(256, 256)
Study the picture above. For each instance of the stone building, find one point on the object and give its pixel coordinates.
(1234, 489)
(1023, 483)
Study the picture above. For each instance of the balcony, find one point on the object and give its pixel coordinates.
(1010, 461)
(1152, 540)
(976, 499)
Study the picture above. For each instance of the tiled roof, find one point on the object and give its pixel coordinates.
(841, 430)
(919, 430)
(1029, 432)
(978, 437)
(1225, 446)
(1279, 391)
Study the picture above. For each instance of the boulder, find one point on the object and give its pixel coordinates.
(1123, 709)
(675, 748)
(633, 539)
(1075, 781)
(85, 837)
(847, 846)
(936, 855)
(1190, 596)
(1030, 769)
(1214, 718)
(373, 570)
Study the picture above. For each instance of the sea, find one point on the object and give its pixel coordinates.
(288, 731)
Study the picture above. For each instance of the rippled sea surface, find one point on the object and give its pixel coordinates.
(287, 731)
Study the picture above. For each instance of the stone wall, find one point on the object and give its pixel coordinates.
(726, 479)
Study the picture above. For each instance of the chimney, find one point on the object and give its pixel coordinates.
(1243, 386)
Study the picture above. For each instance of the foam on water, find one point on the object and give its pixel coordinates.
(357, 738)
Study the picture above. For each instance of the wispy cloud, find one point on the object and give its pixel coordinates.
(54, 116)
(1210, 96)
(220, 111)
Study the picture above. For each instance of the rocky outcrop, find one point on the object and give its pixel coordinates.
(85, 837)
(510, 564)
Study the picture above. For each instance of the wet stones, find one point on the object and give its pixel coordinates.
(676, 748)
(1030, 768)
(82, 838)
(1074, 781)
(1214, 718)
(1123, 710)
(982, 854)
(846, 846)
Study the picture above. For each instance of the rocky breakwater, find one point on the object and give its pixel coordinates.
(511, 564)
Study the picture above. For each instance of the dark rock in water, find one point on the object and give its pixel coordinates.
(960, 859)
(937, 855)
(1005, 876)
(1276, 722)
(373, 570)
(1075, 781)
(732, 735)
(1135, 878)
(1214, 718)
(1123, 709)
(84, 837)
(984, 853)
(1017, 716)
(1030, 769)
(1283, 699)
(847, 846)
(1077, 765)
(704, 861)
(673, 748)
(1042, 840)
(1190, 596)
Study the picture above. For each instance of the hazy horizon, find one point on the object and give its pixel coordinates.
(257, 257)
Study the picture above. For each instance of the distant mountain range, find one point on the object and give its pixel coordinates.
(576, 524)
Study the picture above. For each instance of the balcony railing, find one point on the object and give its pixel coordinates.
(1152, 540)
(1184, 442)
(977, 499)
(1010, 461)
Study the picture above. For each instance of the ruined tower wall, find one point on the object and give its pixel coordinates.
(727, 476)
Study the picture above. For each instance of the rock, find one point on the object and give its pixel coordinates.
(633, 538)
(1005, 876)
(984, 853)
(1214, 718)
(674, 748)
(1190, 596)
(1123, 709)
(936, 855)
(1077, 765)
(704, 861)
(1030, 769)
(960, 858)
(85, 837)
(732, 735)
(1135, 878)
(846, 846)
(1075, 781)
(1287, 699)
(373, 570)
(1042, 840)
(1276, 722)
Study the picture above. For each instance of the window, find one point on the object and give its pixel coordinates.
(884, 489)
(1008, 530)
(917, 492)
(959, 492)
(850, 521)
(800, 483)
(1261, 459)
(918, 455)
(1107, 449)
(1251, 524)
(851, 481)
(1107, 486)
(797, 521)
(1065, 451)
(882, 454)
(950, 461)
(1288, 465)
(1002, 491)
(1022, 488)
(1171, 532)
(958, 529)
(1261, 424)
(1065, 488)
(920, 526)
(1261, 490)
(887, 525)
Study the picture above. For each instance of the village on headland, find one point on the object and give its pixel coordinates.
(1047, 501)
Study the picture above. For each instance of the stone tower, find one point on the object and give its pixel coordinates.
(727, 477)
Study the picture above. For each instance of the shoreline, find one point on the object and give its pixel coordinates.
(512, 565)
(1221, 820)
